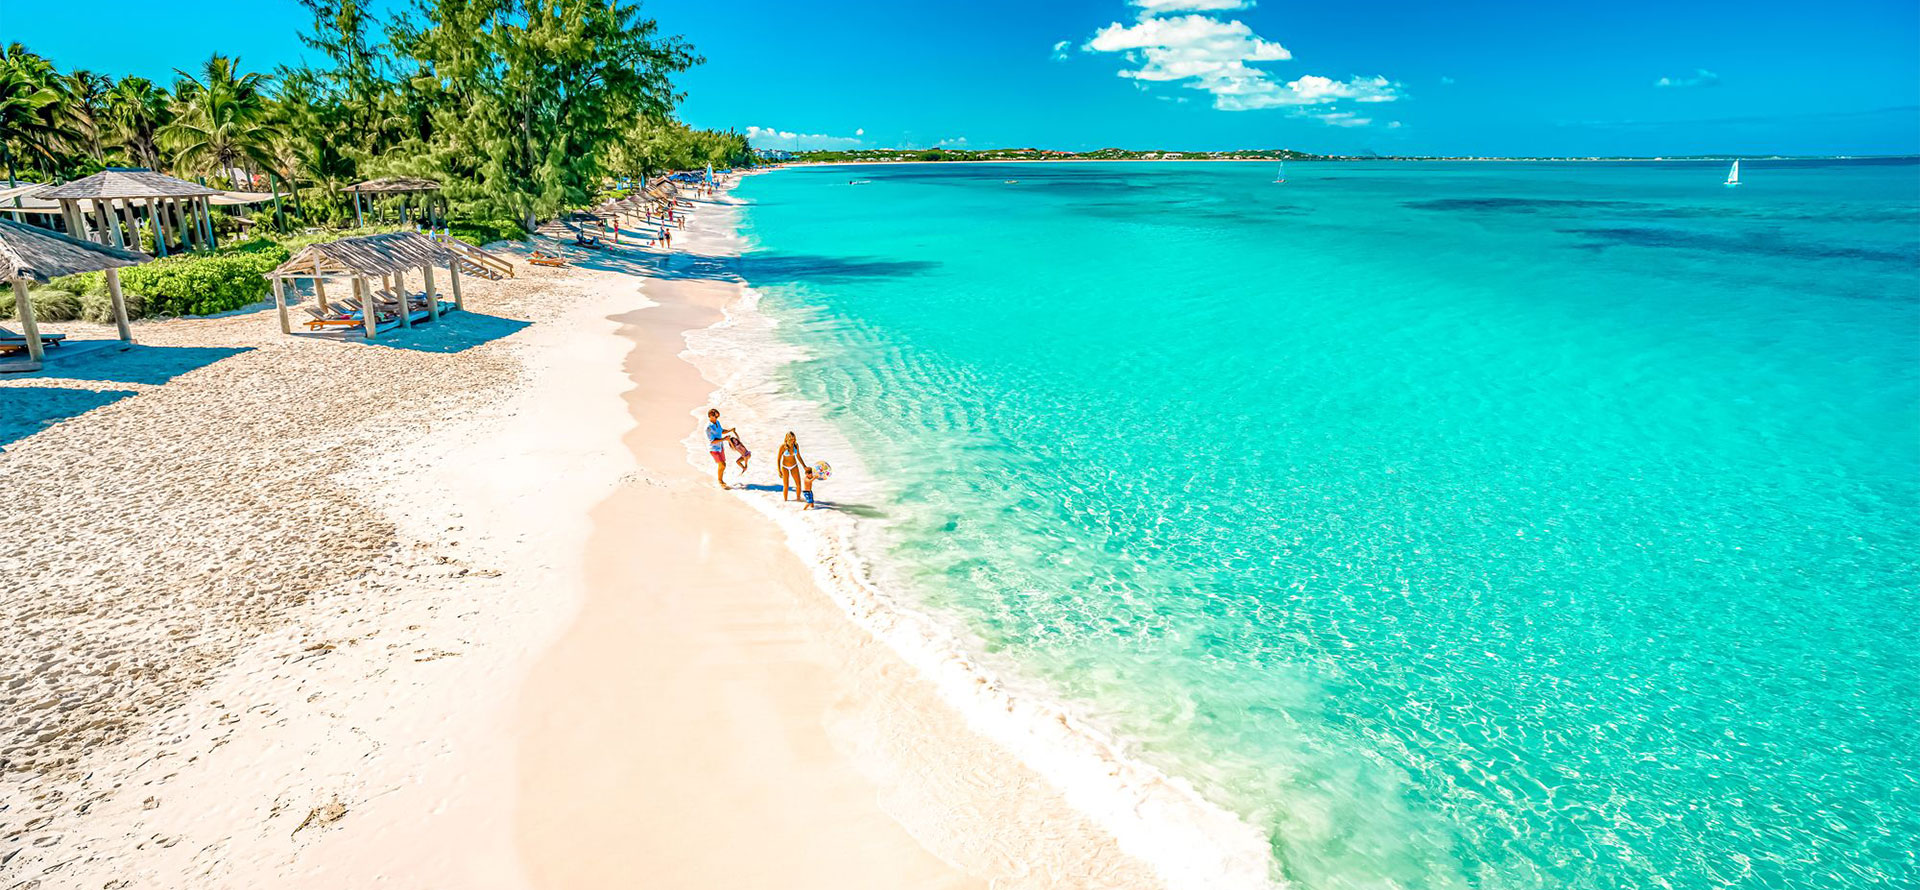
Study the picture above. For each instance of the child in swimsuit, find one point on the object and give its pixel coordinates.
(806, 488)
(745, 455)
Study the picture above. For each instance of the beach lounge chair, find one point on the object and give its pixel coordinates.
(587, 241)
(336, 319)
(12, 341)
(546, 259)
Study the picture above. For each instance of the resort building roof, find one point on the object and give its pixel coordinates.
(27, 194)
(393, 185)
(237, 199)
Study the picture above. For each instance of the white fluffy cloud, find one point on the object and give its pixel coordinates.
(1701, 78)
(1218, 56)
(1213, 55)
(768, 137)
(1060, 50)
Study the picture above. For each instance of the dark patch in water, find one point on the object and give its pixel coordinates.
(1648, 210)
(765, 268)
(1522, 205)
(1763, 244)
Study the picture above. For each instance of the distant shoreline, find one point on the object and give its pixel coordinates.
(1337, 160)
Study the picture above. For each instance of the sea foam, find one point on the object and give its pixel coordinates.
(1159, 818)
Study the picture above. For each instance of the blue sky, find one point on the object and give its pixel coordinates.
(1629, 77)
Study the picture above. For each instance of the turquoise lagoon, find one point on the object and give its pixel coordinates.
(1499, 525)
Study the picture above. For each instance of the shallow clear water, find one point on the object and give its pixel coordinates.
(1477, 525)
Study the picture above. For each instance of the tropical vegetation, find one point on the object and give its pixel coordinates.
(521, 109)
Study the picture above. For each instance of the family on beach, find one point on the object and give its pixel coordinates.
(796, 475)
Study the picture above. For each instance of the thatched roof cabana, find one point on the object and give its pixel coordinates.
(32, 253)
(177, 208)
(128, 182)
(392, 185)
(387, 257)
(36, 253)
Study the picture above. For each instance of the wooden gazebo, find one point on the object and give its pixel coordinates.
(364, 260)
(30, 253)
(177, 208)
(394, 185)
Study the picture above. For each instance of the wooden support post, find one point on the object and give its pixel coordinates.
(189, 234)
(190, 223)
(359, 222)
(109, 224)
(133, 224)
(28, 327)
(206, 213)
(170, 208)
(320, 291)
(119, 304)
(453, 272)
(433, 299)
(160, 233)
(280, 303)
(70, 213)
(368, 312)
(400, 293)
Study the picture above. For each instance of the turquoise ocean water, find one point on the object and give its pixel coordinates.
(1500, 525)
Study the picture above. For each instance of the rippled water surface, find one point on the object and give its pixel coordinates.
(1460, 525)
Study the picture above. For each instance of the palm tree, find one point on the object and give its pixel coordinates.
(87, 102)
(220, 120)
(136, 111)
(34, 125)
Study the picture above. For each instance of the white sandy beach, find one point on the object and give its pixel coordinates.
(298, 613)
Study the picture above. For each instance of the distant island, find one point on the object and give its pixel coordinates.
(917, 155)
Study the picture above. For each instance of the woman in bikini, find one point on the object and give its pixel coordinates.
(792, 467)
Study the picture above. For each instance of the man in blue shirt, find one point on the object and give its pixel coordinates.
(717, 444)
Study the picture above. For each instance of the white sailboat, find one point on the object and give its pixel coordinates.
(1733, 174)
(1282, 175)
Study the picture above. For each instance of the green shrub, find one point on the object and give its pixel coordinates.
(98, 308)
(203, 284)
(49, 304)
(84, 284)
(255, 244)
(487, 231)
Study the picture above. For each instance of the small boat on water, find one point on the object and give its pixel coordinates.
(1012, 181)
(1281, 176)
(1733, 174)
(858, 181)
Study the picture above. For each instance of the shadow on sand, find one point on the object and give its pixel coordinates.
(151, 365)
(25, 410)
(454, 332)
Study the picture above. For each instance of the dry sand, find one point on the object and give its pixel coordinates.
(457, 611)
